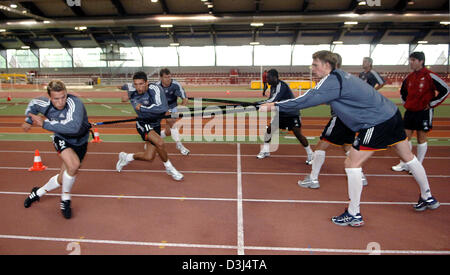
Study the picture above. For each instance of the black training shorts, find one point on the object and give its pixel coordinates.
(382, 135)
(336, 132)
(144, 128)
(421, 120)
(61, 145)
(289, 122)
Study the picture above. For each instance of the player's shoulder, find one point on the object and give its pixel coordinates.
(41, 101)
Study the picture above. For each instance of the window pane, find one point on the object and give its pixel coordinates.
(87, 57)
(2, 62)
(390, 54)
(302, 54)
(434, 54)
(22, 59)
(352, 54)
(273, 55)
(55, 58)
(160, 56)
(234, 55)
(131, 57)
(196, 56)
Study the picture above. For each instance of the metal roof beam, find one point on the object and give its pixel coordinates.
(119, 7)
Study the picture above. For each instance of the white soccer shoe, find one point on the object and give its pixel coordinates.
(122, 162)
(263, 154)
(400, 167)
(183, 150)
(174, 173)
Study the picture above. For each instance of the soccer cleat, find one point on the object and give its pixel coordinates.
(262, 155)
(309, 159)
(309, 183)
(347, 219)
(364, 180)
(174, 174)
(183, 150)
(32, 197)
(400, 167)
(65, 209)
(122, 161)
(430, 203)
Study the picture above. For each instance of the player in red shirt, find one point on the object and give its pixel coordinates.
(264, 80)
(418, 93)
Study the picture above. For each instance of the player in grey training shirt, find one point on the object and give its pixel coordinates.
(67, 119)
(377, 121)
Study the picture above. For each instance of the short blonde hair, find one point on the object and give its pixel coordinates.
(339, 60)
(326, 57)
(56, 86)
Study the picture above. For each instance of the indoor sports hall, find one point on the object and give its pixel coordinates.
(229, 202)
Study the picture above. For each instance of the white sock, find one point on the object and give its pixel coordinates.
(175, 134)
(421, 151)
(266, 147)
(130, 157)
(354, 181)
(318, 160)
(52, 184)
(308, 150)
(163, 134)
(416, 168)
(67, 183)
(168, 164)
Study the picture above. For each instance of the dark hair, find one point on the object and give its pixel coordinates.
(272, 72)
(55, 86)
(418, 56)
(164, 71)
(369, 59)
(140, 75)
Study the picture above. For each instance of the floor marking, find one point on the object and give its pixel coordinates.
(218, 199)
(207, 246)
(106, 106)
(240, 215)
(215, 155)
(401, 175)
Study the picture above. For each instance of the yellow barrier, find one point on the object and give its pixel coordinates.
(8, 77)
(293, 84)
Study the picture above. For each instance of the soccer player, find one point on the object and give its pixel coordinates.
(335, 133)
(366, 111)
(290, 120)
(173, 90)
(67, 118)
(419, 98)
(150, 104)
(369, 75)
(264, 80)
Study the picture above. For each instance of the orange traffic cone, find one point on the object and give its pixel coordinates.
(37, 165)
(96, 137)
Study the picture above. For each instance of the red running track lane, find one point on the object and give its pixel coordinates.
(143, 211)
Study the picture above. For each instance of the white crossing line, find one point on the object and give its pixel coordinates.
(217, 199)
(106, 106)
(401, 175)
(218, 246)
(240, 214)
(213, 155)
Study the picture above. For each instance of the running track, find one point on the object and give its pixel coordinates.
(228, 203)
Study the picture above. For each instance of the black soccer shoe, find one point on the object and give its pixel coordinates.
(65, 209)
(31, 198)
